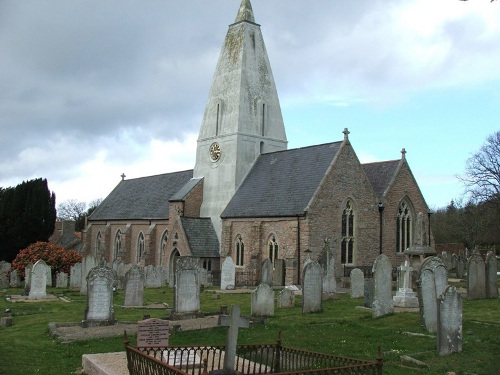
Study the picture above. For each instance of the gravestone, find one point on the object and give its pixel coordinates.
(432, 281)
(263, 301)
(279, 272)
(88, 263)
(134, 287)
(312, 288)
(234, 322)
(449, 332)
(491, 275)
(152, 333)
(153, 276)
(286, 298)
(454, 262)
(329, 281)
(4, 274)
(382, 287)
(38, 286)
(48, 269)
(266, 272)
(27, 276)
(369, 291)
(227, 274)
(405, 296)
(357, 283)
(61, 280)
(186, 288)
(100, 309)
(461, 264)
(476, 277)
(15, 279)
(75, 276)
(121, 270)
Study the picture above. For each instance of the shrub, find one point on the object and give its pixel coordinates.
(57, 257)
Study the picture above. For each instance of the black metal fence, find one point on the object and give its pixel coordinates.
(242, 278)
(250, 359)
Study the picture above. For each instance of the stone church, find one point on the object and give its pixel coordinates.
(249, 197)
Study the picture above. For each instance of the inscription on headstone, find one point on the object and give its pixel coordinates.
(152, 333)
(38, 286)
(134, 287)
(227, 274)
(100, 309)
(187, 287)
(449, 333)
(312, 288)
(382, 277)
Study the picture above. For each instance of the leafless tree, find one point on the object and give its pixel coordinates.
(71, 209)
(482, 172)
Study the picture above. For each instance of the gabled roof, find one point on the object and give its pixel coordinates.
(181, 194)
(201, 237)
(282, 183)
(143, 198)
(381, 175)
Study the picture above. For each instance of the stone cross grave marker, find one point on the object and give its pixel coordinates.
(405, 296)
(153, 333)
(227, 274)
(234, 322)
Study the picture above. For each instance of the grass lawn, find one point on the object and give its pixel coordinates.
(342, 329)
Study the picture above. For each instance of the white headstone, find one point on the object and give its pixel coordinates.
(357, 283)
(187, 286)
(153, 276)
(263, 301)
(432, 281)
(227, 273)
(38, 286)
(100, 308)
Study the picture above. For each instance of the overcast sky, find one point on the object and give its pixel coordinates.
(94, 89)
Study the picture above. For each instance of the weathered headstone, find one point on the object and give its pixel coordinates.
(121, 270)
(432, 281)
(4, 274)
(27, 275)
(454, 261)
(88, 263)
(405, 296)
(382, 277)
(100, 310)
(286, 298)
(263, 301)
(48, 269)
(227, 274)
(476, 277)
(152, 333)
(449, 332)
(186, 288)
(134, 287)
(312, 288)
(75, 276)
(153, 276)
(329, 281)
(279, 272)
(234, 322)
(491, 275)
(461, 264)
(369, 291)
(357, 283)
(15, 279)
(61, 280)
(38, 286)
(266, 272)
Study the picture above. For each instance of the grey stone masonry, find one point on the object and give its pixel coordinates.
(449, 333)
(491, 275)
(382, 278)
(476, 277)
(312, 288)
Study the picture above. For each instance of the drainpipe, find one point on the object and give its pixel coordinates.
(298, 250)
(380, 213)
(429, 226)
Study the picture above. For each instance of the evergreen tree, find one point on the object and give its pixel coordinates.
(27, 215)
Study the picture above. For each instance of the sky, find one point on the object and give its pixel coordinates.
(93, 89)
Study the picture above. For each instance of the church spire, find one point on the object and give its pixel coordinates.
(245, 13)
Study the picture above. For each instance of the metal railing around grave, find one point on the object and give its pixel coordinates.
(251, 360)
(242, 278)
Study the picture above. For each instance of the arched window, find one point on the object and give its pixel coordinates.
(140, 247)
(347, 230)
(403, 227)
(118, 243)
(240, 252)
(163, 246)
(273, 250)
(98, 243)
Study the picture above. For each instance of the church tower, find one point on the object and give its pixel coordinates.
(242, 117)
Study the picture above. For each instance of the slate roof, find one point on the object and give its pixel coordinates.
(381, 174)
(181, 194)
(282, 183)
(201, 237)
(143, 198)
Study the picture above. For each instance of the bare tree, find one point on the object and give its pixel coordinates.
(482, 172)
(71, 209)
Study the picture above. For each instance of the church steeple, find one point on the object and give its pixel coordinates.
(242, 116)
(245, 13)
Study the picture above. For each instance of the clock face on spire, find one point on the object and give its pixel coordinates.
(215, 151)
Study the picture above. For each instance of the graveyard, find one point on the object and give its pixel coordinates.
(342, 327)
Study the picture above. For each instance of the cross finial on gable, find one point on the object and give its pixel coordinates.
(346, 134)
(123, 176)
(403, 154)
(233, 321)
